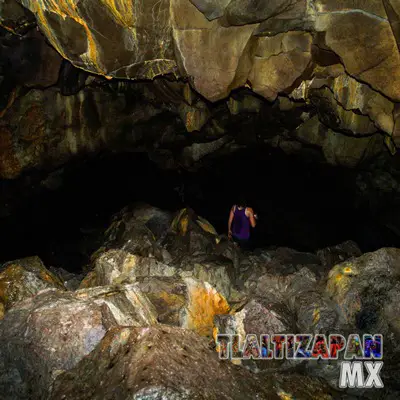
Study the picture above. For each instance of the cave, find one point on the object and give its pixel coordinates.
(302, 205)
(128, 130)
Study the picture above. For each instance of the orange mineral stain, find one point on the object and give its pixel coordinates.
(66, 8)
(205, 303)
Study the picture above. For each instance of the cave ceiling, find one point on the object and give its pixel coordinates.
(184, 80)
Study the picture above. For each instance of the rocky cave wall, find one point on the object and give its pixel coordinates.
(318, 74)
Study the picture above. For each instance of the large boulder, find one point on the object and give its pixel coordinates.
(178, 298)
(21, 279)
(191, 235)
(157, 362)
(333, 255)
(366, 291)
(54, 330)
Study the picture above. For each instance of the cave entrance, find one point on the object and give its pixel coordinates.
(302, 205)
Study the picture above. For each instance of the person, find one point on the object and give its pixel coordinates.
(241, 220)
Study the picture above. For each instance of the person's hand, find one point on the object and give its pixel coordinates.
(230, 235)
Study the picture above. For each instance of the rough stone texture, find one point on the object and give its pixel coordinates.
(353, 95)
(332, 255)
(196, 40)
(191, 235)
(71, 281)
(44, 128)
(240, 12)
(366, 45)
(212, 9)
(132, 362)
(119, 266)
(278, 62)
(338, 57)
(363, 290)
(178, 298)
(29, 60)
(366, 291)
(296, 18)
(122, 39)
(15, 18)
(54, 330)
(332, 114)
(338, 149)
(22, 279)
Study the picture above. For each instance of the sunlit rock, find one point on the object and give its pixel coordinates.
(158, 362)
(54, 330)
(22, 279)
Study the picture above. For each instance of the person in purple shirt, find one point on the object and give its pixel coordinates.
(241, 220)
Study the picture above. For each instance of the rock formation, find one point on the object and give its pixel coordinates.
(186, 82)
(338, 60)
(138, 324)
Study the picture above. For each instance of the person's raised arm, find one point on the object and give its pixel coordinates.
(251, 217)
(231, 215)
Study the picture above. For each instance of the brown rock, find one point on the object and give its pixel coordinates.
(295, 18)
(333, 114)
(366, 44)
(108, 38)
(240, 12)
(22, 279)
(279, 61)
(134, 361)
(339, 149)
(209, 53)
(212, 9)
(372, 7)
(353, 95)
(393, 12)
(45, 129)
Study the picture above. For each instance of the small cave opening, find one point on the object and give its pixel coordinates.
(304, 205)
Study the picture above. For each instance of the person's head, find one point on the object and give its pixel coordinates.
(241, 201)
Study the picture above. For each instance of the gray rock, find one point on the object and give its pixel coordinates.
(54, 330)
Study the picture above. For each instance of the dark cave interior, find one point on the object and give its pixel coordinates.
(302, 205)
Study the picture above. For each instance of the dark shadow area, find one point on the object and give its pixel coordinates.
(305, 206)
